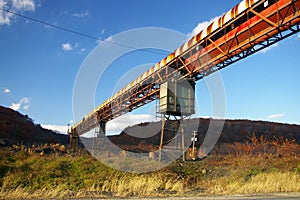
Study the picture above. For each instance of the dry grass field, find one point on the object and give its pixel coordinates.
(258, 166)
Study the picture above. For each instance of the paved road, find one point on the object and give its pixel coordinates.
(253, 197)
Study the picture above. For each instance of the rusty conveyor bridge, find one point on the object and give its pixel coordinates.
(245, 29)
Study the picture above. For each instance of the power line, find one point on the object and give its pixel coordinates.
(77, 32)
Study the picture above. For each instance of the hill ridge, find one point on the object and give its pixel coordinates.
(16, 128)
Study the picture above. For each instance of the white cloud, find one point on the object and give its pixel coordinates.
(56, 128)
(107, 40)
(67, 47)
(24, 102)
(100, 40)
(72, 47)
(269, 48)
(27, 5)
(6, 90)
(117, 125)
(2, 3)
(82, 14)
(211, 117)
(200, 27)
(14, 6)
(5, 18)
(26, 107)
(15, 106)
(298, 35)
(275, 116)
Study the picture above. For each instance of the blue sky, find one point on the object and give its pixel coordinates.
(39, 63)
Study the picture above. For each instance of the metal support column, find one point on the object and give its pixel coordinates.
(171, 131)
(182, 141)
(99, 137)
(73, 140)
(163, 121)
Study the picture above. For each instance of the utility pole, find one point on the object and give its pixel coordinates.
(194, 140)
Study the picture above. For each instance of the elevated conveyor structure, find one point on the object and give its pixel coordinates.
(245, 29)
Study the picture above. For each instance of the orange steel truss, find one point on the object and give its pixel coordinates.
(247, 28)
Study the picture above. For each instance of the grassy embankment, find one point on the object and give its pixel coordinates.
(257, 167)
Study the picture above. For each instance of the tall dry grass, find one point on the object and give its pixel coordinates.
(260, 146)
(143, 185)
(116, 185)
(257, 166)
(271, 182)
